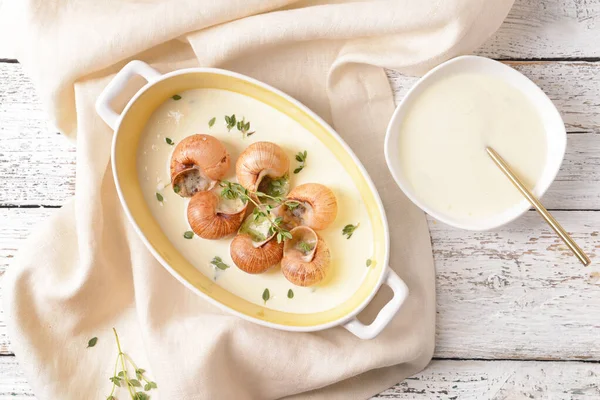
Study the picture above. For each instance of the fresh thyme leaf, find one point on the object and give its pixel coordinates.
(92, 342)
(176, 97)
(301, 158)
(279, 237)
(292, 204)
(266, 295)
(121, 374)
(153, 385)
(286, 235)
(218, 262)
(116, 381)
(290, 294)
(147, 387)
(369, 262)
(305, 247)
(349, 229)
(188, 234)
(231, 122)
(212, 122)
(250, 133)
(169, 141)
(135, 383)
(141, 396)
(159, 197)
(176, 188)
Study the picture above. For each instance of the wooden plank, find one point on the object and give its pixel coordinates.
(547, 29)
(532, 29)
(519, 282)
(442, 379)
(511, 380)
(13, 384)
(37, 166)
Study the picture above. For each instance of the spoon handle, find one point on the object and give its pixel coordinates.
(560, 231)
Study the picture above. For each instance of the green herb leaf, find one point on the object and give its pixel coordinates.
(211, 122)
(305, 247)
(153, 385)
(176, 188)
(369, 262)
(349, 229)
(266, 295)
(188, 234)
(301, 158)
(140, 396)
(290, 294)
(250, 133)
(218, 262)
(116, 381)
(92, 342)
(159, 197)
(230, 121)
(147, 387)
(176, 97)
(135, 383)
(121, 374)
(292, 204)
(169, 141)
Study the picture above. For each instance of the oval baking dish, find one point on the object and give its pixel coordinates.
(128, 127)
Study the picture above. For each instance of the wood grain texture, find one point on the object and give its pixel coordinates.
(500, 380)
(38, 166)
(519, 282)
(442, 380)
(547, 29)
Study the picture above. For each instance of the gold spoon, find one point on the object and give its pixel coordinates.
(560, 231)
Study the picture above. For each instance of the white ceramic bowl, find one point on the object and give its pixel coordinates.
(556, 137)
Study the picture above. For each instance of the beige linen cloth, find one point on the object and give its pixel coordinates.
(84, 270)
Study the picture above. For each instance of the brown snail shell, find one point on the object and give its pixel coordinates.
(208, 221)
(305, 268)
(259, 160)
(255, 259)
(197, 163)
(317, 209)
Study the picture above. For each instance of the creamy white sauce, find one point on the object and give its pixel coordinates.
(190, 115)
(443, 140)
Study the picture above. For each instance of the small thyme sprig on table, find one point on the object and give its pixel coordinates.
(232, 191)
(132, 385)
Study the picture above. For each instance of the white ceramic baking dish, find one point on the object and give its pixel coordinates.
(128, 126)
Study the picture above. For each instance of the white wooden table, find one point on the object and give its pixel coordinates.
(518, 316)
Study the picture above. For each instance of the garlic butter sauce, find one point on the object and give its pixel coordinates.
(177, 119)
(443, 138)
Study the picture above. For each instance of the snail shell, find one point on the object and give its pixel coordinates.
(309, 265)
(252, 257)
(317, 209)
(209, 219)
(197, 163)
(259, 160)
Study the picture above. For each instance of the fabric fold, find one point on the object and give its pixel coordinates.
(84, 270)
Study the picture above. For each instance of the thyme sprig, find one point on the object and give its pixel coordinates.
(232, 191)
(122, 378)
(301, 158)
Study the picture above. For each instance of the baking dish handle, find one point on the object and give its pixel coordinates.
(387, 312)
(115, 86)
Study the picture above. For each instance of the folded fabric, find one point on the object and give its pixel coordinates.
(84, 270)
